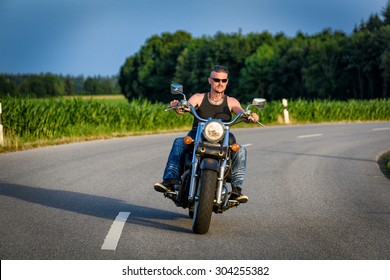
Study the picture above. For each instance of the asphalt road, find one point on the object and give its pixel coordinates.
(315, 192)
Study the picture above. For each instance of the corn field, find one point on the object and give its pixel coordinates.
(37, 119)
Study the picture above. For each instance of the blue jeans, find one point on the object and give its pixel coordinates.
(177, 156)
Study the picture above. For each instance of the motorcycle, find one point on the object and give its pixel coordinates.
(206, 171)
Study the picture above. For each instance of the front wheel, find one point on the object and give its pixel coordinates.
(204, 201)
(191, 212)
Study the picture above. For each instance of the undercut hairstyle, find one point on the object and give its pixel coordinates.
(220, 68)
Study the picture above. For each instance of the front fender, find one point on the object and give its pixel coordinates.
(209, 163)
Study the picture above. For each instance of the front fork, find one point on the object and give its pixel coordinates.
(194, 180)
(221, 177)
(194, 164)
(221, 171)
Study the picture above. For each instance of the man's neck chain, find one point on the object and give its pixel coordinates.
(217, 101)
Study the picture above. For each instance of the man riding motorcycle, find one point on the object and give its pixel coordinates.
(214, 104)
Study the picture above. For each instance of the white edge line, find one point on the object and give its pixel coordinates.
(381, 128)
(310, 135)
(112, 238)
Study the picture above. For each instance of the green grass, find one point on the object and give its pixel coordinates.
(335, 111)
(35, 122)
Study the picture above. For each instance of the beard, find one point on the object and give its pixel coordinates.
(219, 90)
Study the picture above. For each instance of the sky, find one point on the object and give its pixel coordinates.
(94, 37)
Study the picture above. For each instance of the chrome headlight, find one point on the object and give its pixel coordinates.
(214, 131)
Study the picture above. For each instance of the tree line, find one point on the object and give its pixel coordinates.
(327, 65)
(46, 85)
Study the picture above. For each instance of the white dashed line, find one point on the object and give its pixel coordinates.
(115, 231)
(309, 135)
(381, 128)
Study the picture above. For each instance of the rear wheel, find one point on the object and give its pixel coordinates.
(204, 201)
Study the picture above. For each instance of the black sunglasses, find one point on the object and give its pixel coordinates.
(219, 80)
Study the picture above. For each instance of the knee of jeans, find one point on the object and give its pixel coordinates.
(241, 153)
(179, 141)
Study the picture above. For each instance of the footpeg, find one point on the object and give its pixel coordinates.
(171, 195)
(233, 203)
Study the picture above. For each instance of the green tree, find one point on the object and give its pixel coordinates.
(42, 86)
(69, 90)
(7, 87)
(286, 74)
(149, 72)
(32, 86)
(323, 75)
(54, 86)
(354, 57)
(194, 64)
(374, 23)
(231, 50)
(254, 77)
(383, 39)
(386, 14)
(91, 86)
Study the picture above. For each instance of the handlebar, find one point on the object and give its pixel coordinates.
(185, 106)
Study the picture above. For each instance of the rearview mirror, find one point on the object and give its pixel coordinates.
(259, 103)
(176, 89)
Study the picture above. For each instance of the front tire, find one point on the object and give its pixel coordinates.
(191, 212)
(205, 200)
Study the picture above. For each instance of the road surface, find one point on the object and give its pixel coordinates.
(315, 192)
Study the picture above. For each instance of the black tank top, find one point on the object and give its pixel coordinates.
(207, 110)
